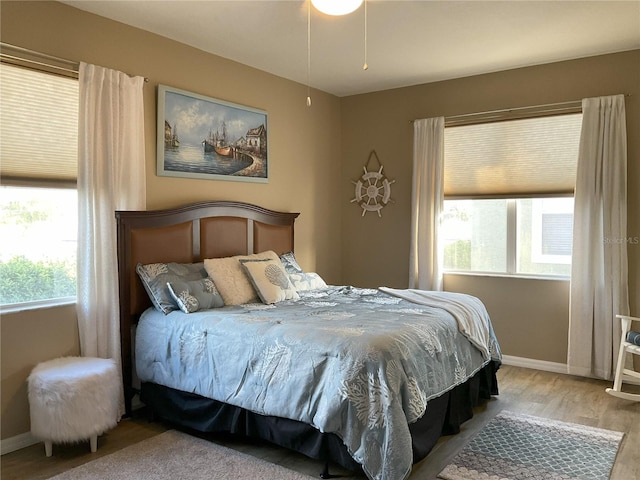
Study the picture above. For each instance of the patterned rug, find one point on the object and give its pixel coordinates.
(514, 446)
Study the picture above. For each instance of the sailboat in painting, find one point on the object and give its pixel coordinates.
(218, 143)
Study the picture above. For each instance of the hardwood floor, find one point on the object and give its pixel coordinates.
(550, 395)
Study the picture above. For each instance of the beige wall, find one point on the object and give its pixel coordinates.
(526, 326)
(530, 316)
(308, 175)
(304, 167)
(28, 338)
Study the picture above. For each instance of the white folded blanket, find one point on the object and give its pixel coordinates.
(469, 311)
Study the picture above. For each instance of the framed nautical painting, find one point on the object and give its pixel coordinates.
(202, 137)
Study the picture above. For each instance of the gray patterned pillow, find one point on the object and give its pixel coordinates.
(195, 295)
(155, 277)
(290, 264)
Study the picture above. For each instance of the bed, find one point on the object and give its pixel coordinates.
(366, 378)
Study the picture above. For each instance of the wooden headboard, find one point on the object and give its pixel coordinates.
(187, 234)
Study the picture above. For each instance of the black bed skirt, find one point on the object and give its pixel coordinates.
(444, 416)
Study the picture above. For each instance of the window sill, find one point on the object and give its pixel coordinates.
(40, 305)
(518, 276)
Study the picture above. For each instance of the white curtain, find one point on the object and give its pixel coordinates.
(111, 176)
(427, 196)
(599, 282)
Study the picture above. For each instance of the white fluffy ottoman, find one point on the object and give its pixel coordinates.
(73, 399)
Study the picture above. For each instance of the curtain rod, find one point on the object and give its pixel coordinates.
(518, 112)
(70, 68)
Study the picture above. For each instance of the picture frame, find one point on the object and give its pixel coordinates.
(207, 138)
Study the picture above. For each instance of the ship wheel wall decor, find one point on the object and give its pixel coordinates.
(372, 189)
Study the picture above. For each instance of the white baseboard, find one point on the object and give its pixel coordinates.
(534, 364)
(12, 444)
(546, 366)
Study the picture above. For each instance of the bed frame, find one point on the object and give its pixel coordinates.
(219, 229)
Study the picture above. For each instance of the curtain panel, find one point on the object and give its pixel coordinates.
(427, 198)
(599, 280)
(111, 176)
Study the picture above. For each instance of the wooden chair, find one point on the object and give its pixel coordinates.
(626, 347)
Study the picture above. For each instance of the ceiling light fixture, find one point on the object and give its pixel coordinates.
(337, 7)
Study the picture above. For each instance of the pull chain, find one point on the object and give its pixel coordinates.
(308, 53)
(365, 66)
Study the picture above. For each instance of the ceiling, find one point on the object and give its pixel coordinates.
(408, 42)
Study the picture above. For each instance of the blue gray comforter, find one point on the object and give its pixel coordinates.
(359, 363)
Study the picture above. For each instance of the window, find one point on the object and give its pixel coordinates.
(508, 205)
(38, 196)
(475, 235)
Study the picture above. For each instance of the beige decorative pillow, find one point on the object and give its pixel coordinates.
(231, 280)
(270, 280)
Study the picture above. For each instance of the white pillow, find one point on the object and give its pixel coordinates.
(307, 281)
(270, 280)
(231, 280)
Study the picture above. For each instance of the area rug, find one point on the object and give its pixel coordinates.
(514, 446)
(175, 455)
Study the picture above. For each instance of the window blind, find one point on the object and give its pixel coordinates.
(512, 158)
(39, 127)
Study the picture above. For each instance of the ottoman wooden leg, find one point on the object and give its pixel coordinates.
(94, 443)
(48, 448)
